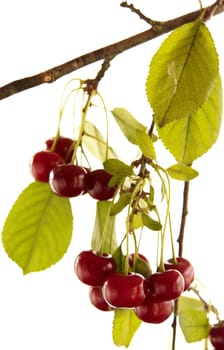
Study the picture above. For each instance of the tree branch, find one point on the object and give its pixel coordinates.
(157, 29)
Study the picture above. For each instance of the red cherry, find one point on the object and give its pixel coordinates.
(216, 335)
(68, 180)
(154, 311)
(92, 269)
(185, 268)
(166, 285)
(124, 291)
(64, 147)
(97, 185)
(42, 163)
(97, 299)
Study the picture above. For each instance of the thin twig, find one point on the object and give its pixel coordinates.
(52, 74)
(180, 241)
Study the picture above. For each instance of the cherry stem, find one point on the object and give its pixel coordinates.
(167, 216)
(82, 126)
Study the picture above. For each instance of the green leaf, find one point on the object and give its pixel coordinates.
(186, 303)
(189, 138)
(104, 234)
(151, 223)
(182, 172)
(142, 267)
(193, 319)
(122, 202)
(119, 259)
(194, 325)
(117, 167)
(145, 144)
(182, 73)
(96, 144)
(38, 229)
(125, 324)
(127, 123)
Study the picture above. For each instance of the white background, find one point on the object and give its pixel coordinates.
(50, 309)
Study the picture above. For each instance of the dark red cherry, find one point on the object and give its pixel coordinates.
(124, 291)
(167, 285)
(97, 299)
(154, 311)
(64, 146)
(42, 163)
(216, 335)
(92, 269)
(97, 185)
(184, 267)
(68, 180)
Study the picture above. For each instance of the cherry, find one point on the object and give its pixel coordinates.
(97, 185)
(154, 311)
(42, 163)
(68, 180)
(92, 269)
(97, 299)
(185, 268)
(166, 285)
(64, 147)
(216, 335)
(124, 291)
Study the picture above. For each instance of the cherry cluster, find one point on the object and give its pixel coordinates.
(65, 178)
(152, 298)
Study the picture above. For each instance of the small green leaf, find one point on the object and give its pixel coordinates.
(189, 138)
(142, 267)
(95, 143)
(104, 234)
(194, 325)
(38, 229)
(125, 324)
(122, 202)
(137, 221)
(145, 144)
(182, 73)
(119, 259)
(182, 172)
(186, 303)
(117, 167)
(193, 319)
(127, 123)
(151, 223)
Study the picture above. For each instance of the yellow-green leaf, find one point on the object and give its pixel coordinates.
(96, 144)
(182, 172)
(182, 73)
(145, 144)
(38, 228)
(189, 138)
(104, 233)
(125, 324)
(127, 123)
(194, 325)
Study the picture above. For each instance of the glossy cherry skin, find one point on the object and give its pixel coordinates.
(92, 269)
(154, 311)
(166, 285)
(68, 180)
(97, 185)
(124, 291)
(185, 268)
(97, 299)
(139, 256)
(64, 147)
(216, 335)
(42, 163)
